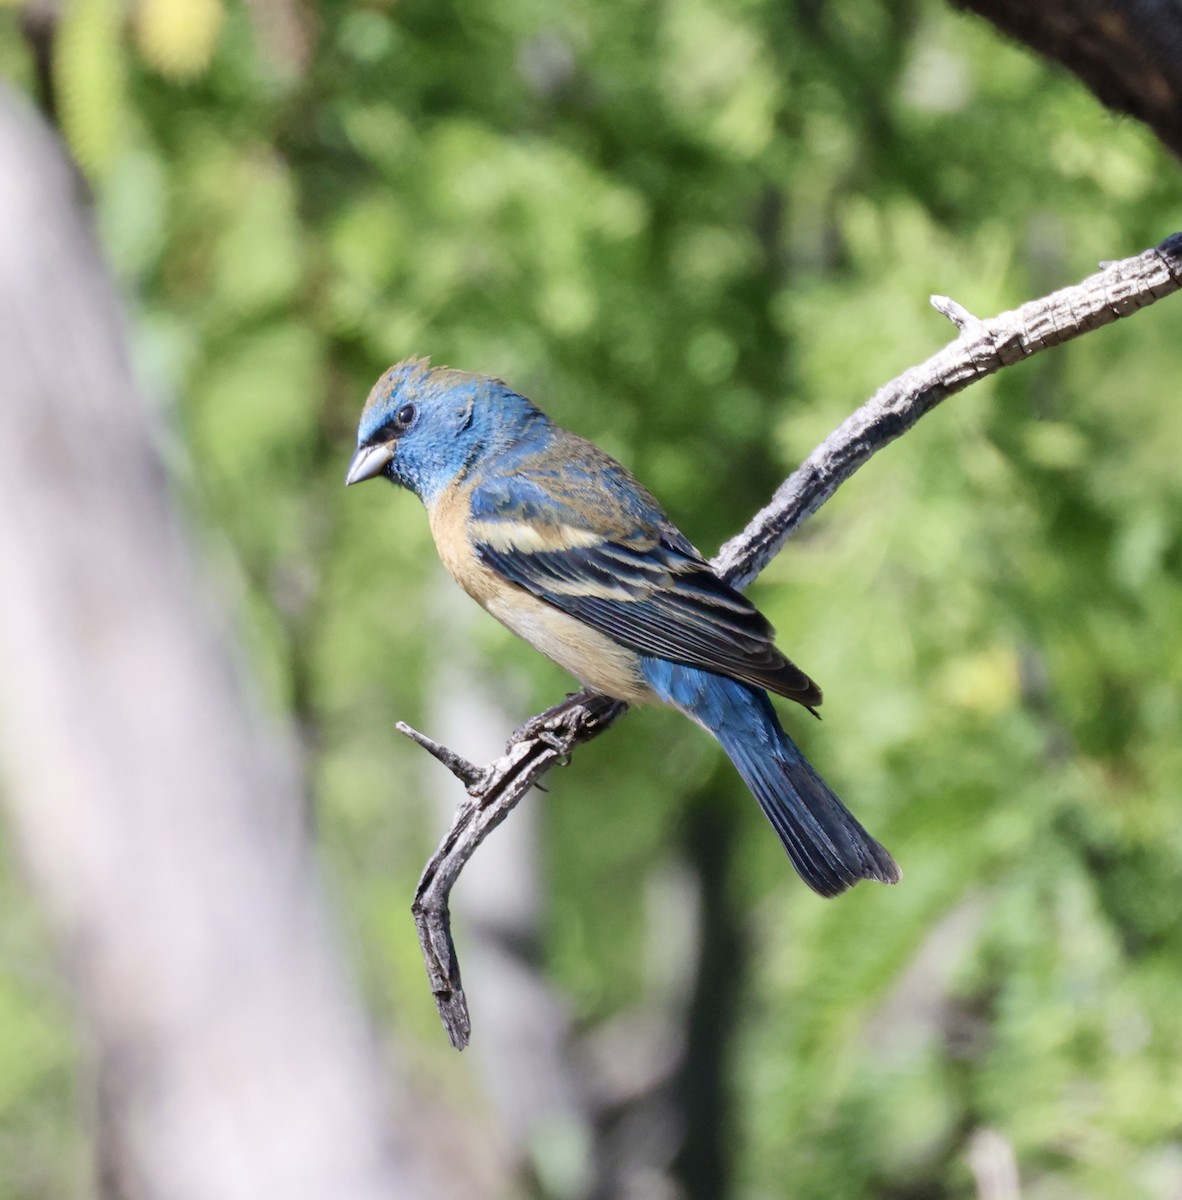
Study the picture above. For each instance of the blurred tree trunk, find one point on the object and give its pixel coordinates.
(1129, 52)
(157, 810)
(704, 1161)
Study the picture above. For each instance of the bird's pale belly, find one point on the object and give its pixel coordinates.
(591, 657)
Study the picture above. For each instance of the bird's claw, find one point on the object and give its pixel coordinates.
(537, 728)
(548, 727)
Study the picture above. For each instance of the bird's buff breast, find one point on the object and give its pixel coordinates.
(591, 657)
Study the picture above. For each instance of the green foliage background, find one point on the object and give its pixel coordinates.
(699, 233)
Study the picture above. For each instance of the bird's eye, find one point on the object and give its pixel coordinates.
(405, 416)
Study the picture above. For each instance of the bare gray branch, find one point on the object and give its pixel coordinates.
(983, 348)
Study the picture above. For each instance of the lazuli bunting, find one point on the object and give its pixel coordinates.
(561, 544)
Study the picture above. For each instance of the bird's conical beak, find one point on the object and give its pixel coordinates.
(368, 462)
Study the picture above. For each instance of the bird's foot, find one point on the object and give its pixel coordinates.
(555, 726)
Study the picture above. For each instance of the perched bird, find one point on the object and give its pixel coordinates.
(560, 543)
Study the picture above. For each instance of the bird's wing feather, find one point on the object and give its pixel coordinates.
(594, 544)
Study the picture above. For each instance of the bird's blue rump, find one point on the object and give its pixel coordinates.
(827, 846)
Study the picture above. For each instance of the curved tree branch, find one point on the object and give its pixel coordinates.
(982, 348)
(1129, 52)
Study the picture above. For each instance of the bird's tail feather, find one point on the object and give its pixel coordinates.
(825, 842)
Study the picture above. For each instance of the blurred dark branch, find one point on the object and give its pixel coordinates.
(982, 348)
(1129, 52)
(39, 22)
(158, 811)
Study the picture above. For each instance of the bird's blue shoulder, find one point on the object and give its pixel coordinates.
(555, 477)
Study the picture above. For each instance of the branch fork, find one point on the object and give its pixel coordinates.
(981, 348)
(957, 314)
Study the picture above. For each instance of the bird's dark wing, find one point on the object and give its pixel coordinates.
(592, 542)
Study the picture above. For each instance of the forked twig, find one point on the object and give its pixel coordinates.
(981, 348)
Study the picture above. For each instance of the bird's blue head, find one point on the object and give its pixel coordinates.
(424, 427)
